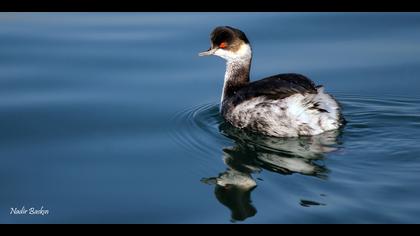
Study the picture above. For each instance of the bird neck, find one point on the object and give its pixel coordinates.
(236, 76)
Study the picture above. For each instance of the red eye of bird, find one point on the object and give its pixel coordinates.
(223, 45)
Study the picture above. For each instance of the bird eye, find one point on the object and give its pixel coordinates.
(223, 45)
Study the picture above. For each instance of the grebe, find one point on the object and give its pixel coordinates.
(283, 105)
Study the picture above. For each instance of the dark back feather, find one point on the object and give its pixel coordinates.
(274, 87)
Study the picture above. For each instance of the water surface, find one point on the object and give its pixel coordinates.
(113, 118)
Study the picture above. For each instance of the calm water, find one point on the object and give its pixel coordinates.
(113, 118)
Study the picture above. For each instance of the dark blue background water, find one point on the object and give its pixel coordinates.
(112, 118)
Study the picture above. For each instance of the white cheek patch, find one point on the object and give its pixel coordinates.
(244, 53)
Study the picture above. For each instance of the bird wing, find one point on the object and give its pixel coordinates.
(277, 87)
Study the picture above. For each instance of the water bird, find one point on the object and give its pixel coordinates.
(282, 105)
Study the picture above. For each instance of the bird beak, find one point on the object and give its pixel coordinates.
(208, 52)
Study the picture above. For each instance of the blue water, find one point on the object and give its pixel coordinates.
(113, 118)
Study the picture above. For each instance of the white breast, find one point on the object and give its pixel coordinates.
(288, 117)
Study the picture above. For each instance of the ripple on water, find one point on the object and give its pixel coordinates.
(201, 130)
(197, 128)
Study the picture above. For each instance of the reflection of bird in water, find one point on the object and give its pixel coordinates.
(233, 189)
(252, 153)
